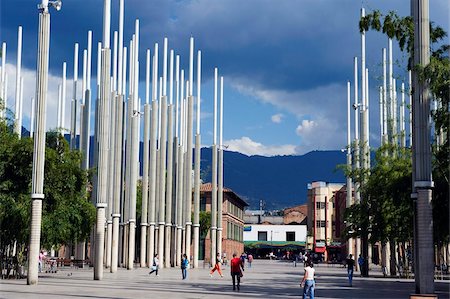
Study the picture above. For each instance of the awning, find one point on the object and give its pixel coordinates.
(320, 249)
(275, 244)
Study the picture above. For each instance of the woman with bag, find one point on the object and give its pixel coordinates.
(155, 266)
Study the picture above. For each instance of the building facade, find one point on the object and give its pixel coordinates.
(324, 214)
(232, 222)
(263, 239)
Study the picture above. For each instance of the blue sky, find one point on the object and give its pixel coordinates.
(285, 63)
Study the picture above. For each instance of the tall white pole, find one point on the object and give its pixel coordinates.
(213, 252)
(220, 174)
(3, 77)
(394, 112)
(21, 101)
(63, 106)
(190, 112)
(180, 168)
(410, 107)
(153, 182)
(170, 142)
(103, 146)
(402, 117)
(37, 186)
(196, 223)
(74, 102)
(32, 118)
(191, 66)
(356, 117)
(385, 101)
(391, 96)
(134, 159)
(367, 125)
(18, 116)
(349, 186)
(58, 116)
(177, 93)
(145, 173)
(380, 96)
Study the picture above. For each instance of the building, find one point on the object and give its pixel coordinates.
(323, 211)
(261, 239)
(296, 215)
(232, 221)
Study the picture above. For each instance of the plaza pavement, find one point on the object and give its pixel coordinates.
(266, 279)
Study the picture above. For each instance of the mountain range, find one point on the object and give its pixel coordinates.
(280, 181)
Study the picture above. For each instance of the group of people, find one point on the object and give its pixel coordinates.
(236, 267)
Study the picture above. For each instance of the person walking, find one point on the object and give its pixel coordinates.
(350, 265)
(360, 264)
(308, 281)
(250, 260)
(184, 266)
(236, 268)
(155, 266)
(217, 266)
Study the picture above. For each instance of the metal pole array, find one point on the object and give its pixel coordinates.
(170, 218)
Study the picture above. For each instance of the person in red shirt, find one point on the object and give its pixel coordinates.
(236, 268)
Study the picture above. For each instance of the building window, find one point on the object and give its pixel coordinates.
(320, 205)
(290, 236)
(262, 236)
(320, 223)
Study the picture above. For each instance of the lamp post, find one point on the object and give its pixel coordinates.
(423, 183)
(37, 188)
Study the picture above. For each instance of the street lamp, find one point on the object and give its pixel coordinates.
(37, 188)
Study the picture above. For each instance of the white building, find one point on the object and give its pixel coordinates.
(262, 235)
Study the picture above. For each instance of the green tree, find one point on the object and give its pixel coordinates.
(67, 214)
(437, 76)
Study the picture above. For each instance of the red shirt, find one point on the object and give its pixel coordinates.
(236, 265)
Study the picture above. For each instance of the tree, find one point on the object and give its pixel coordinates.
(437, 76)
(67, 213)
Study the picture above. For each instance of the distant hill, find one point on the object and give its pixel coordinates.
(281, 181)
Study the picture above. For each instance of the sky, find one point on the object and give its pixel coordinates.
(285, 63)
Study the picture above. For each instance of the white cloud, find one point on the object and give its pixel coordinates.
(305, 127)
(276, 118)
(321, 112)
(246, 145)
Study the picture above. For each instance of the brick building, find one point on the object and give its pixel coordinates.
(232, 221)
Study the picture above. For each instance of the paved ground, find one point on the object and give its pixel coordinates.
(266, 279)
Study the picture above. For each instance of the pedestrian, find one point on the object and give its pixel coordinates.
(243, 257)
(250, 260)
(236, 268)
(217, 266)
(155, 266)
(360, 263)
(350, 264)
(184, 266)
(41, 260)
(308, 282)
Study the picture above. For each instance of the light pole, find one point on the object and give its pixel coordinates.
(423, 183)
(37, 188)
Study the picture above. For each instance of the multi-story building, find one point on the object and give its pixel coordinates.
(322, 216)
(232, 221)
